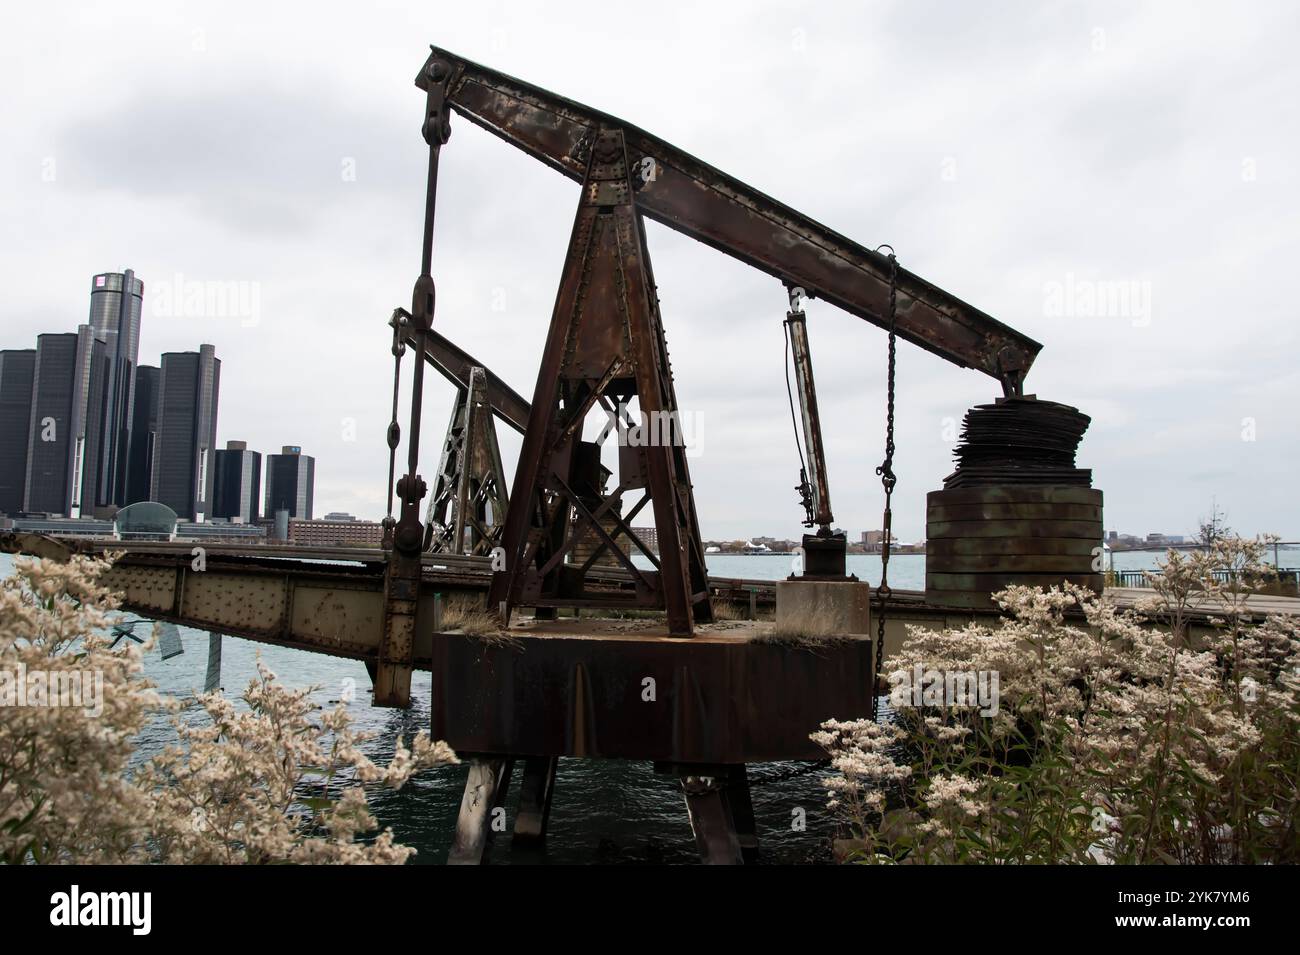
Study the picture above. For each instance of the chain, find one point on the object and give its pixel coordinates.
(886, 472)
(399, 322)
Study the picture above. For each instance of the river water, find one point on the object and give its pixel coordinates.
(606, 811)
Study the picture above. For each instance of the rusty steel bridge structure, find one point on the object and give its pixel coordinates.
(558, 533)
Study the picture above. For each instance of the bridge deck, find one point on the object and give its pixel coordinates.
(562, 687)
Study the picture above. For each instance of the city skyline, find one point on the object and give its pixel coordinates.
(95, 478)
(86, 430)
(278, 218)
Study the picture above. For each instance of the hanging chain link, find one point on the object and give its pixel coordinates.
(887, 477)
(399, 321)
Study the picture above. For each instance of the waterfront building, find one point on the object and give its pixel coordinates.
(237, 492)
(144, 430)
(17, 367)
(336, 533)
(290, 483)
(188, 387)
(115, 306)
(57, 471)
(90, 459)
(648, 536)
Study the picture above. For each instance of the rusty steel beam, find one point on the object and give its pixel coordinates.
(605, 350)
(694, 198)
(469, 491)
(456, 364)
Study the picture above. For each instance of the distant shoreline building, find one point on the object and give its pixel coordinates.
(115, 305)
(648, 536)
(144, 432)
(237, 491)
(188, 386)
(348, 532)
(17, 368)
(55, 476)
(290, 483)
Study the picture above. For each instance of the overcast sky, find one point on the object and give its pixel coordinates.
(1021, 156)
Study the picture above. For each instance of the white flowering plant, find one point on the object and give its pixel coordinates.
(276, 780)
(1120, 737)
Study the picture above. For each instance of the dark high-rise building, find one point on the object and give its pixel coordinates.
(95, 431)
(290, 483)
(17, 366)
(57, 430)
(144, 427)
(237, 494)
(182, 478)
(115, 304)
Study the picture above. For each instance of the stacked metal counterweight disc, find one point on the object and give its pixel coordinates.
(1020, 441)
(1017, 510)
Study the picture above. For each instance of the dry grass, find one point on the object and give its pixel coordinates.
(725, 610)
(468, 616)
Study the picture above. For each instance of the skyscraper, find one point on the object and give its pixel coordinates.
(144, 427)
(115, 313)
(238, 490)
(61, 412)
(115, 305)
(182, 478)
(17, 366)
(89, 463)
(290, 483)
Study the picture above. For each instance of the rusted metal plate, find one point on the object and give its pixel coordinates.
(988, 583)
(943, 548)
(960, 600)
(1014, 564)
(1017, 493)
(982, 539)
(240, 602)
(716, 699)
(1089, 530)
(335, 616)
(143, 588)
(1012, 511)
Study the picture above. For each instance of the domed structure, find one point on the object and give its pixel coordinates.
(145, 520)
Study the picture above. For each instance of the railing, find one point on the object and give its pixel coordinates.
(1287, 576)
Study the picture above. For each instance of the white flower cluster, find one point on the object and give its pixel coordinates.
(275, 780)
(1182, 738)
